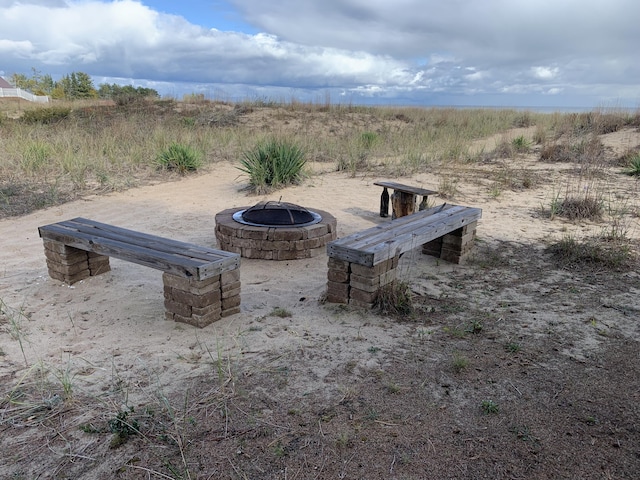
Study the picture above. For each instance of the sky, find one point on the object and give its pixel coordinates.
(506, 53)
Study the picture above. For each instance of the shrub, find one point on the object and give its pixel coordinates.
(273, 164)
(46, 115)
(180, 157)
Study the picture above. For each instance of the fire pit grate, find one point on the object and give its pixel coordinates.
(275, 231)
(277, 214)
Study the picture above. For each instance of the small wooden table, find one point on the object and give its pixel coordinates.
(403, 198)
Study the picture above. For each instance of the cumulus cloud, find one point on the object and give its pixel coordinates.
(415, 50)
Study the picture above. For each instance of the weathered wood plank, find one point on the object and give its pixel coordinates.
(391, 224)
(405, 188)
(382, 242)
(411, 228)
(178, 258)
(139, 238)
(397, 226)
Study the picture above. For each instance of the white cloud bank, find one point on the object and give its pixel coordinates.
(399, 51)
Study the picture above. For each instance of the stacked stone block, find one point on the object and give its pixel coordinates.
(201, 302)
(270, 243)
(358, 285)
(70, 265)
(453, 247)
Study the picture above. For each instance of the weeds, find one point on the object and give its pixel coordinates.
(523, 432)
(447, 187)
(489, 407)
(122, 428)
(475, 327)
(280, 312)
(521, 144)
(591, 253)
(460, 362)
(513, 347)
(395, 299)
(46, 115)
(16, 328)
(368, 139)
(587, 206)
(65, 377)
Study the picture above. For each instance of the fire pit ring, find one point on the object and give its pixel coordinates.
(277, 215)
(250, 239)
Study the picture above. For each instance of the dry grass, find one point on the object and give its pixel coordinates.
(104, 147)
(479, 385)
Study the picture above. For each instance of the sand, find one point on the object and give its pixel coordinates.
(114, 324)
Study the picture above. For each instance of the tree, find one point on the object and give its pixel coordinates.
(78, 85)
(115, 91)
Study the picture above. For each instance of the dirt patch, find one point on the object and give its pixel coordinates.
(513, 365)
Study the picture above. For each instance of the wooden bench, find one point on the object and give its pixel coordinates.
(201, 284)
(403, 198)
(364, 262)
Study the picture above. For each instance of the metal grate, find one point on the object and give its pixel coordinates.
(277, 214)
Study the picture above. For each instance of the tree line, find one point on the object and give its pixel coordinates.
(76, 85)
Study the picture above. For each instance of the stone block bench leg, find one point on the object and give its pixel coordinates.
(358, 285)
(201, 302)
(453, 247)
(70, 264)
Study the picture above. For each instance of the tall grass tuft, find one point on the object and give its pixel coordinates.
(592, 253)
(634, 166)
(179, 157)
(273, 164)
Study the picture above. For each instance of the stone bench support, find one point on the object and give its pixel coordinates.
(361, 264)
(201, 285)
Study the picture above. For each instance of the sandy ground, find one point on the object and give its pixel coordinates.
(116, 320)
(111, 328)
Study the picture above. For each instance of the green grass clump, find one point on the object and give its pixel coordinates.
(368, 139)
(634, 166)
(35, 156)
(273, 164)
(180, 157)
(585, 206)
(521, 144)
(489, 407)
(280, 312)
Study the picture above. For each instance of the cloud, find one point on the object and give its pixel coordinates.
(414, 50)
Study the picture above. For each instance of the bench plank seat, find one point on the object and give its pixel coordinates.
(405, 188)
(171, 256)
(382, 242)
(362, 264)
(403, 199)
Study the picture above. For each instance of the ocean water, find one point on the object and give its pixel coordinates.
(554, 109)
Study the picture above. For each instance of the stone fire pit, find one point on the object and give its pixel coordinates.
(275, 231)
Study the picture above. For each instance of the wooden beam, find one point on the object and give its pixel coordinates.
(405, 188)
(382, 242)
(171, 256)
